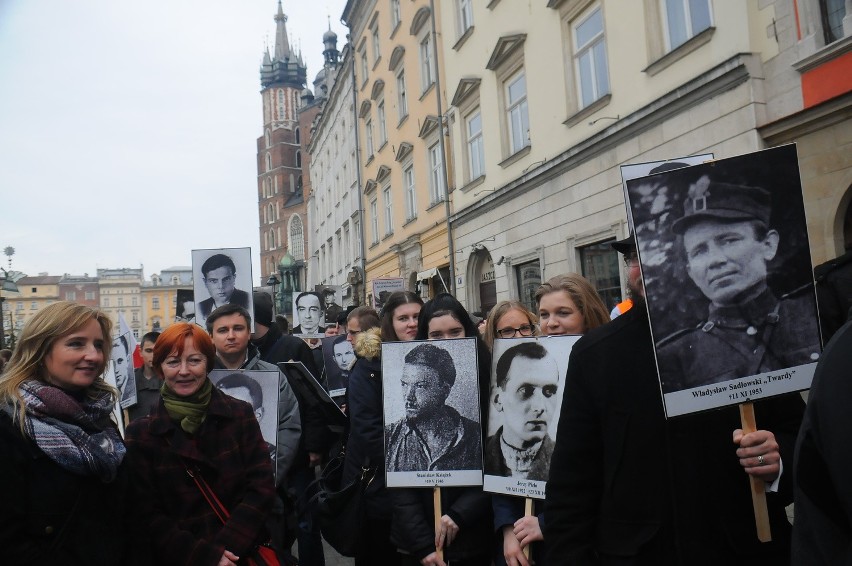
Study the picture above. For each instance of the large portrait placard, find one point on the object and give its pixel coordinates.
(221, 276)
(725, 259)
(259, 388)
(433, 431)
(527, 382)
(308, 314)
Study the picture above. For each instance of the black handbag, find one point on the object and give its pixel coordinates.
(339, 510)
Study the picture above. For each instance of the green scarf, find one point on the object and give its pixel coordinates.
(189, 411)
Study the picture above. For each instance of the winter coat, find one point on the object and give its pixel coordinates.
(365, 446)
(229, 452)
(50, 515)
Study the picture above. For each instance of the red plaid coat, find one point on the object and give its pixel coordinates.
(230, 454)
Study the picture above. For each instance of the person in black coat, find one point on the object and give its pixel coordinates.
(628, 486)
(275, 346)
(61, 456)
(822, 532)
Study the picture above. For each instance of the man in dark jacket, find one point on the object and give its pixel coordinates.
(274, 347)
(628, 486)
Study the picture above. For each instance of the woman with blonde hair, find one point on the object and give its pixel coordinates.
(567, 304)
(60, 451)
(509, 319)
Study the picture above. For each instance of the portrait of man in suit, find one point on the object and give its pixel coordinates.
(219, 276)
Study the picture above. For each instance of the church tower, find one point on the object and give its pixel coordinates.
(281, 204)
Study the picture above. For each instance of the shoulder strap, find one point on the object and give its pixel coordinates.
(208, 494)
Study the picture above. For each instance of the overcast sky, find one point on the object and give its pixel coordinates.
(128, 129)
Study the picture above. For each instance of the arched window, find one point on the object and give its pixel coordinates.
(269, 162)
(270, 215)
(268, 139)
(297, 238)
(298, 136)
(271, 239)
(281, 104)
(292, 183)
(299, 159)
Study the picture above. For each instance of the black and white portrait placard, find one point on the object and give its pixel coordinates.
(527, 382)
(221, 276)
(339, 357)
(185, 306)
(117, 413)
(332, 298)
(636, 170)
(725, 259)
(431, 413)
(122, 369)
(259, 388)
(308, 314)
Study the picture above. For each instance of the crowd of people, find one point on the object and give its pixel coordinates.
(624, 484)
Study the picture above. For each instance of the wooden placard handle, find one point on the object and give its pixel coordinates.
(758, 486)
(528, 511)
(436, 503)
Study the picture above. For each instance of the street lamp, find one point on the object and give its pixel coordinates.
(273, 282)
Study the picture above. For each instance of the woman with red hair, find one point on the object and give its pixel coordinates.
(198, 431)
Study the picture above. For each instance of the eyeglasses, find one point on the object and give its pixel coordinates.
(509, 332)
(631, 260)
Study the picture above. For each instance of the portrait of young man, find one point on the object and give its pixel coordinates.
(339, 357)
(524, 395)
(122, 360)
(220, 280)
(245, 387)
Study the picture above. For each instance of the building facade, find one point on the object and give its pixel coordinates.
(402, 158)
(34, 293)
(159, 297)
(540, 127)
(334, 207)
(120, 294)
(80, 289)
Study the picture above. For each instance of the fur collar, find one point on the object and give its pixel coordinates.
(368, 344)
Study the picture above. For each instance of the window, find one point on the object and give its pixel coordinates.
(380, 115)
(33, 306)
(410, 194)
(299, 159)
(376, 48)
(134, 301)
(394, 13)
(374, 219)
(475, 146)
(281, 104)
(465, 8)
(528, 277)
(832, 13)
(347, 247)
(517, 113)
(106, 301)
(268, 162)
(298, 136)
(364, 68)
(386, 194)
(19, 306)
(590, 57)
(90, 295)
(134, 317)
(436, 180)
(70, 295)
(427, 68)
(599, 264)
(297, 238)
(685, 19)
(400, 92)
(120, 302)
(368, 131)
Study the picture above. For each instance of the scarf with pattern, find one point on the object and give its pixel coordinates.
(77, 435)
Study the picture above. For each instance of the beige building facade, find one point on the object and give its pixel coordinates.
(34, 293)
(121, 293)
(398, 89)
(547, 102)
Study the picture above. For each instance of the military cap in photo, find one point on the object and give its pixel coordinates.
(625, 246)
(713, 200)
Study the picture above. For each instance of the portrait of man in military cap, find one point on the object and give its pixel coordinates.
(725, 258)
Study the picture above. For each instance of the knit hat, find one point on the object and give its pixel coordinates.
(262, 308)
